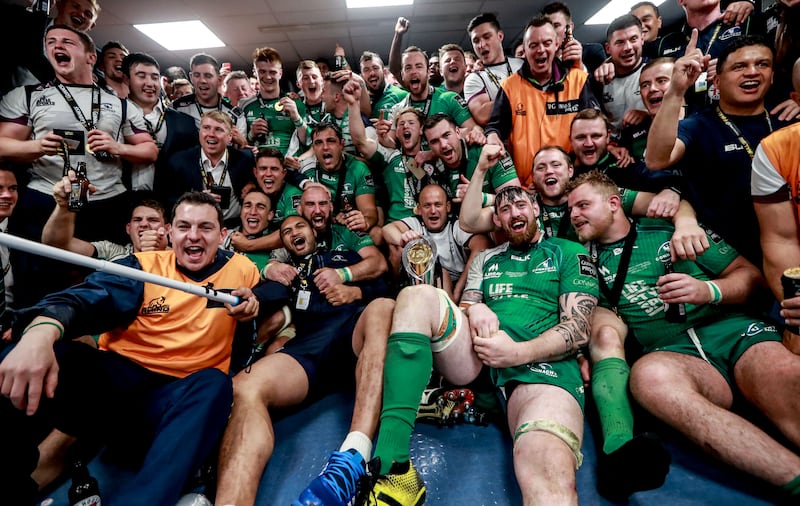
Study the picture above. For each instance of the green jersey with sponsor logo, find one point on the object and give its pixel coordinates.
(554, 220)
(281, 126)
(351, 180)
(498, 175)
(639, 304)
(522, 286)
(440, 101)
(338, 238)
(284, 205)
(391, 95)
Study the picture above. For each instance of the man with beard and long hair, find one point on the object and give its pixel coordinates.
(552, 282)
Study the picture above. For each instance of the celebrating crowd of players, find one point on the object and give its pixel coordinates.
(580, 198)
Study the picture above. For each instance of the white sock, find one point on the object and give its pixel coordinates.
(359, 442)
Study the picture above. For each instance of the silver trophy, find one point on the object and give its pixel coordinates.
(419, 261)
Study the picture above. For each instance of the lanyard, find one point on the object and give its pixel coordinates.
(76, 110)
(547, 222)
(160, 123)
(208, 177)
(494, 78)
(303, 271)
(613, 295)
(200, 107)
(428, 102)
(735, 130)
(341, 174)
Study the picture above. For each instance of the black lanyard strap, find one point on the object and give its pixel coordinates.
(614, 294)
(89, 125)
(208, 177)
(547, 222)
(736, 132)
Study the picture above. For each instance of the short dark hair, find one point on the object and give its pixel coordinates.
(199, 198)
(739, 43)
(596, 178)
(88, 43)
(483, 17)
(202, 59)
(510, 194)
(647, 4)
(267, 54)
(132, 59)
(622, 23)
(555, 147)
(324, 125)
(175, 72)
(657, 61)
(370, 56)
(114, 44)
(437, 118)
(145, 198)
(554, 7)
(415, 49)
(269, 153)
(537, 22)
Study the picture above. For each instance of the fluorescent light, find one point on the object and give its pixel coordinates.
(613, 10)
(358, 4)
(181, 35)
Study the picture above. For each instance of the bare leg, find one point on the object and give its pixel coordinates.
(690, 395)
(369, 344)
(276, 380)
(52, 457)
(549, 480)
(767, 387)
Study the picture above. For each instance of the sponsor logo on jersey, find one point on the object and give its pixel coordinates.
(607, 98)
(642, 295)
(338, 259)
(492, 268)
(586, 266)
(369, 180)
(155, 306)
(296, 201)
(670, 50)
(500, 289)
(44, 101)
(733, 147)
(107, 107)
(521, 258)
(520, 109)
(640, 133)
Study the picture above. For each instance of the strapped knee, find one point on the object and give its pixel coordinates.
(556, 429)
(451, 318)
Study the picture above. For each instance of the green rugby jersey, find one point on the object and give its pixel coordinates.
(357, 180)
(281, 126)
(639, 305)
(283, 205)
(391, 95)
(522, 285)
(501, 173)
(440, 101)
(338, 238)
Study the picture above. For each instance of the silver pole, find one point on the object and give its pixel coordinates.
(44, 250)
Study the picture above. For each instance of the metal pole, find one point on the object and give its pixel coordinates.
(36, 248)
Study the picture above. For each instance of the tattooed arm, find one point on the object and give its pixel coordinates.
(555, 343)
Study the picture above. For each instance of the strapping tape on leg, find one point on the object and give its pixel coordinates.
(556, 429)
(450, 318)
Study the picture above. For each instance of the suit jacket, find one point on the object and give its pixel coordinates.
(181, 173)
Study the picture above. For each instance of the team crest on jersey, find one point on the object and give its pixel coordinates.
(733, 31)
(44, 101)
(520, 109)
(156, 305)
(756, 328)
(586, 266)
(663, 253)
(565, 107)
(107, 106)
(544, 266)
(715, 237)
(542, 368)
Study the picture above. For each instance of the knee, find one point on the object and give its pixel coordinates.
(381, 308)
(650, 379)
(215, 385)
(417, 295)
(606, 342)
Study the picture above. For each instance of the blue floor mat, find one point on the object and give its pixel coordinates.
(463, 465)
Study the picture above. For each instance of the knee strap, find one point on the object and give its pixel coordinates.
(556, 429)
(450, 321)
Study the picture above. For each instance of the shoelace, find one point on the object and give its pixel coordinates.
(341, 475)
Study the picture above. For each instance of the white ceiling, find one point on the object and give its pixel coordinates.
(301, 29)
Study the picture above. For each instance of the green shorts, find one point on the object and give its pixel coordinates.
(564, 374)
(723, 342)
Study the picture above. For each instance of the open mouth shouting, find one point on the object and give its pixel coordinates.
(62, 57)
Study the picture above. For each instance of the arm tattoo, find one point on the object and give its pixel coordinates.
(575, 310)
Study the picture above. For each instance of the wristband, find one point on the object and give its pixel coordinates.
(54, 324)
(299, 123)
(485, 199)
(716, 293)
(344, 274)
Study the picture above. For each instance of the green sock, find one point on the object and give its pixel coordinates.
(793, 487)
(610, 392)
(405, 375)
